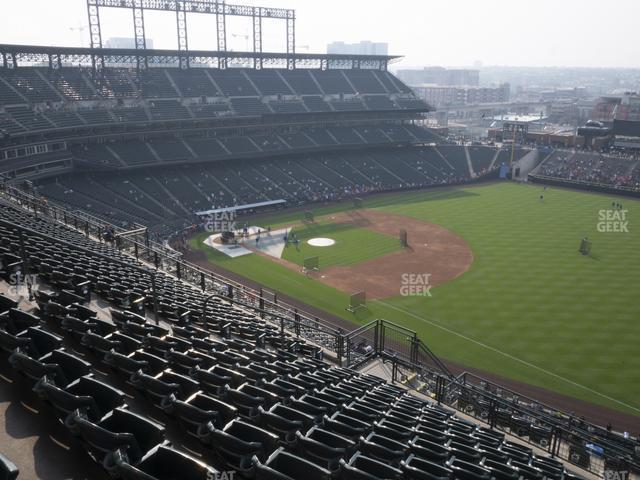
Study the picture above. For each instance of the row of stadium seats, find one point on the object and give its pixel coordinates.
(20, 118)
(39, 85)
(40, 99)
(233, 392)
(538, 428)
(136, 152)
(154, 197)
(590, 167)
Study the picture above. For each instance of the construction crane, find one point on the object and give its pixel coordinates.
(80, 29)
(246, 37)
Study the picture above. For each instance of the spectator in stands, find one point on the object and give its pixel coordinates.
(109, 234)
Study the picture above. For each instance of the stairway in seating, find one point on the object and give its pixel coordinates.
(472, 174)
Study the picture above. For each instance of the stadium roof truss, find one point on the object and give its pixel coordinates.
(181, 9)
(14, 56)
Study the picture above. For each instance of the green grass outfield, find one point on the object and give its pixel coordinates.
(530, 307)
(353, 245)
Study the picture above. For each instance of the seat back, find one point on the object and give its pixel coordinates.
(102, 440)
(98, 343)
(73, 367)
(250, 433)
(7, 303)
(284, 465)
(416, 468)
(105, 396)
(147, 432)
(9, 342)
(191, 416)
(361, 467)
(166, 462)
(154, 387)
(20, 320)
(43, 341)
(33, 368)
(66, 402)
(8, 470)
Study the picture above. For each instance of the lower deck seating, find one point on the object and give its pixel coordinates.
(227, 182)
(456, 158)
(588, 167)
(481, 158)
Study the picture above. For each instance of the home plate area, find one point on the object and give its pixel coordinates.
(257, 239)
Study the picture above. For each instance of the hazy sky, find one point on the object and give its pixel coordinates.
(588, 33)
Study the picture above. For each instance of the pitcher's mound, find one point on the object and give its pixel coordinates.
(321, 242)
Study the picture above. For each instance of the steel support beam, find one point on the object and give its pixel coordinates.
(138, 25)
(14, 56)
(55, 62)
(139, 32)
(291, 39)
(181, 7)
(221, 34)
(183, 43)
(257, 36)
(95, 35)
(196, 6)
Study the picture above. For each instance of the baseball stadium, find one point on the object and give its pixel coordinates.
(222, 264)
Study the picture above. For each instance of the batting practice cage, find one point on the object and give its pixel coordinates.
(356, 301)
(311, 264)
(403, 238)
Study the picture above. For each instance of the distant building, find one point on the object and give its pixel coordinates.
(440, 76)
(530, 128)
(563, 94)
(364, 47)
(618, 107)
(516, 127)
(125, 42)
(566, 111)
(440, 96)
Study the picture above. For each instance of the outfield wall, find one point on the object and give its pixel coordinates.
(593, 187)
